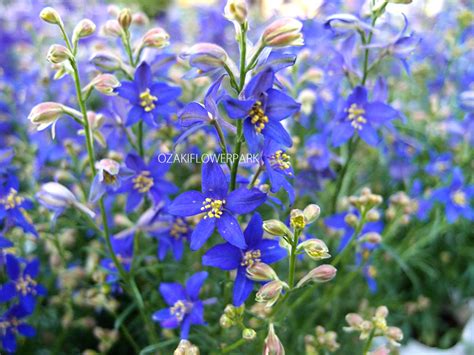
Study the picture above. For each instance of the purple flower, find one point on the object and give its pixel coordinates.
(108, 178)
(185, 307)
(148, 180)
(11, 324)
(228, 257)
(440, 164)
(218, 206)
(262, 108)
(13, 209)
(22, 284)
(456, 198)
(148, 99)
(172, 236)
(361, 117)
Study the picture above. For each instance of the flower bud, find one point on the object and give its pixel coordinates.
(206, 56)
(106, 61)
(373, 216)
(322, 273)
(354, 320)
(351, 219)
(125, 19)
(394, 333)
(185, 347)
(50, 15)
(270, 292)
(261, 272)
(46, 114)
(83, 29)
(105, 84)
(311, 213)
(381, 312)
(297, 219)
(276, 228)
(249, 334)
(282, 33)
(315, 248)
(236, 10)
(156, 38)
(112, 28)
(273, 345)
(58, 54)
(371, 237)
(140, 19)
(225, 322)
(343, 23)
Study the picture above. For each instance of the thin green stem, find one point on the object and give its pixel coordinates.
(368, 344)
(233, 346)
(255, 177)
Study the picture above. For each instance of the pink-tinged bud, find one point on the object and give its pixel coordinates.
(382, 350)
(371, 237)
(315, 248)
(273, 345)
(113, 10)
(46, 114)
(354, 320)
(185, 347)
(106, 61)
(125, 19)
(206, 56)
(395, 334)
(236, 10)
(156, 38)
(261, 272)
(381, 312)
(140, 19)
(58, 54)
(83, 29)
(282, 33)
(311, 213)
(50, 15)
(276, 228)
(112, 28)
(105, 84)
(322, 273)
(270, 292)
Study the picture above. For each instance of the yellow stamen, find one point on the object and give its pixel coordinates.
(213, 208)
(355, 114)
(12, 200)
(257, 117)
(143, 182)
(251, 257)
(459, 198)
(147, 100)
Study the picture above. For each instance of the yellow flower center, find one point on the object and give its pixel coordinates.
(147, 100)
(372, 271)
(257, 116)
(25, 285)
(281, 160)
(251, 257)
(12, 200)
(459, 198)
(179, 310)
(179, 228)
(143, 182)
(213, 208)
(441, 166)
(355, 115)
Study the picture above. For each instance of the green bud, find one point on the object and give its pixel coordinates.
(249, 334)
(276, 228)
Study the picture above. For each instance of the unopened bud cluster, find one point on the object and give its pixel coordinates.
(323, 341)
(185, 347)
(375, 325)
(401, 206)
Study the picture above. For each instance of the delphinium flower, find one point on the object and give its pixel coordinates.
(172, 234)
(185, 307)
(217, 206)
(362, 117)
(440, 164)
(22, 283)
(148, 180)
(262, 108)
(13, 210)
(149, 99)
(110, 176)
(4, 244)
(123, 249)
(11, 324)
(228, 257)
(456, 198)
(278, 167)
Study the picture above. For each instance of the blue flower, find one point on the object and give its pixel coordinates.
(11, 324)
(148, 180)
(22, 284)
(148, 99)
(218, 206)
(122, 247)
(278, 167)
(440, 164)
(262, 109)
(456, 198)
(361, 117)
(228, 257)
(185, 307)
(13, 208)
(317, 151)
(108, 178)
(172, 236)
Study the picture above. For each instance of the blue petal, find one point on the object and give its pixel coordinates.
(32, 268)
(254, 231)
(143, 77)
(202, 232)
(369, 135)
(172, 292)
(229, 229)
(188, 203)
(271, 251)
(223, 256)
(97, 189)
(165, 93)
(194, 284)
(358, 96)
(251, 136)
(193, 113)
(134, 115)
(237, 109)
(13, 267)
(260, 83)
(245, 200)
(128, 90)
(280, 105)
(379, 113)
(242, 287)
(162, 314)
(26, 330)
(28, 302)
(341, 133)
(275, 131)
(197, 314)
(134, 162)
(214, 182)
(7, 291)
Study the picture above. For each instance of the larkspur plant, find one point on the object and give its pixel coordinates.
(360, 200)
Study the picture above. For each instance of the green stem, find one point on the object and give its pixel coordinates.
(141, 149)
(340, 257)
(292, 262)
(233, 346)
(255, 177)
(368, 344)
